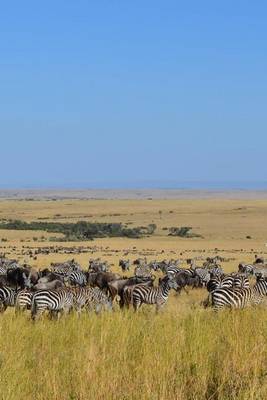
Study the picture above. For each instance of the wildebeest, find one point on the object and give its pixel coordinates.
(55, 284)
(101, 279)
(116, 287)
(125, 265)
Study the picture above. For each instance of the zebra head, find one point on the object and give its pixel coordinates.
(172, 281)
(27, 280)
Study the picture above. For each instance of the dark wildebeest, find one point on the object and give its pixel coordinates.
(101, 279)
(125, 265)
(116, 287)
(184, 279)
(18, 277)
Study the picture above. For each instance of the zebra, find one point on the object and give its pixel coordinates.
(239, 298)
(216, 270)
(98, 300)
(172, 269)
(3, 270)
(139, 294)
(143, 271)
(241, 281)
(98, 266)
(90, 298)
(246, 268)
(76, 278)
(203, 274)
(23, 300)
(218, 282)
(65, 268)
(54, 301)
(7, 298)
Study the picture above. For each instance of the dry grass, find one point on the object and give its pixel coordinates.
(183, 353)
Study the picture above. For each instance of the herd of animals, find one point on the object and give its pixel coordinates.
(65, 287)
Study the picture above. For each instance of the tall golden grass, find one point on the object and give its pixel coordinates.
(183, 352)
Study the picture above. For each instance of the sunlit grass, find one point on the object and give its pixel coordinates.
(181, 353)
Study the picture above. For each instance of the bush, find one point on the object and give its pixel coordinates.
(183, 231)
(81, 230)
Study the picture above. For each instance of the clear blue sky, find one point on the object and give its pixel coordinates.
(132, 93)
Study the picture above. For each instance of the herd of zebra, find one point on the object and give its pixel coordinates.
(66, 286)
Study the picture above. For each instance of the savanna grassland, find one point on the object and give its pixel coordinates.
(184, 352)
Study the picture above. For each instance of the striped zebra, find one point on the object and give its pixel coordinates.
(143, 271)
(54, 301)
(203, 274)
(23, 300)
(241, 282)
(91, 298)
(216, 270)
(139, 294)
(65, 268)
(246, 268)
(97, 301)
(7, 298)
(172, 269)
(239, 298)
(76, 278)
(218, 282)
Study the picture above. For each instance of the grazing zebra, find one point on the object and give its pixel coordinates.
(54, 301)
(139, 294)
(7, 298)
(239, 298)
(77, 278)
(23, 300)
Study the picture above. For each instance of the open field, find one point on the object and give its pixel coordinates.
(185, 352)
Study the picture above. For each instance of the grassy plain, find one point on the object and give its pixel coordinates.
(185, 352)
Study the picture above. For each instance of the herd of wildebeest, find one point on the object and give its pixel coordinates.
(65, 287)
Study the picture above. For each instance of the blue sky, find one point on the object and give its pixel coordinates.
(134, 94)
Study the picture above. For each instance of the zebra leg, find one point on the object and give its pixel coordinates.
(159, 307)
(3, 308)
(186, 291)
(136, 304)
(98, 309)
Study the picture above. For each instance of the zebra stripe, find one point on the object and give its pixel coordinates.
(92, 298)
(239, 298)
(203, 274)
(241, 282)
(54, 301)
(139, 294)
(77, 278)
(24, 300)
(7, 298)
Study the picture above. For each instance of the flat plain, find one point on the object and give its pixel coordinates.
(184, 352)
